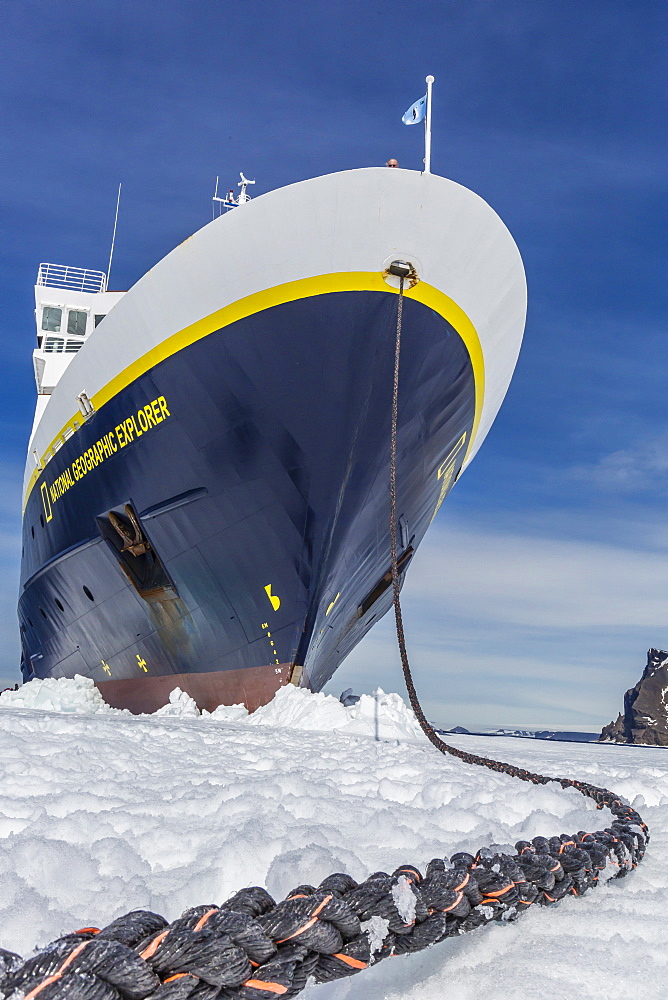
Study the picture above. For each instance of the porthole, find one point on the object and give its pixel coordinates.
(88, 594)
(32, 531)
(58, 604)
(30, 623)
(41, 519)
(43, 612)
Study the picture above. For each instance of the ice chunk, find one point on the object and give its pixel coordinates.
(404, 899)
(181, 705)
(379, 716)
(298, 708)
(227, 713)
(376, 929)
(64, 694)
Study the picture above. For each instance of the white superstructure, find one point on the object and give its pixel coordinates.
(70, 302)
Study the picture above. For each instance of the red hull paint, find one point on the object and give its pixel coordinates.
(254, 686)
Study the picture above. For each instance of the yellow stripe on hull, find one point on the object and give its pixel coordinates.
(291, 291)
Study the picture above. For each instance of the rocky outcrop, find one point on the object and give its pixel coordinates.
(645, 715)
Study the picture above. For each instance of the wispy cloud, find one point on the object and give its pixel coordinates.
(539, 582)
(520, 629)
(629, 470)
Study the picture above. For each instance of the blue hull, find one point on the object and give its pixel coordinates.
(256, 461)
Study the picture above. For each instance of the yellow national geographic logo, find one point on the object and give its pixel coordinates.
(122, 435)
(46, 502)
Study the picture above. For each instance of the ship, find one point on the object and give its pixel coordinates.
(206, 489)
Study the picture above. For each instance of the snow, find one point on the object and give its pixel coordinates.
(376, 929)
(404, 899)
(77, 694)
(383, 716)
(380, 715)
(180, 706)
(102, 811)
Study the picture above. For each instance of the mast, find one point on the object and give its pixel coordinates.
(113, 238)
(427, 128)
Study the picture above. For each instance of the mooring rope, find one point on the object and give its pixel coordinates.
(600, 795)
(253, 948)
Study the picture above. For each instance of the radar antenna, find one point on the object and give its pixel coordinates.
(228, 201)
(243, 184)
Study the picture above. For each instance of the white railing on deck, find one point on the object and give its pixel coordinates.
(76, 278)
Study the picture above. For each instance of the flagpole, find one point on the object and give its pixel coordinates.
(427, 128)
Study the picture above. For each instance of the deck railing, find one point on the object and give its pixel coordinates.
(77, 279)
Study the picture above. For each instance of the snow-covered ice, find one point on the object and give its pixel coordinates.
(102, 811)
(383, 716)
(77, 694)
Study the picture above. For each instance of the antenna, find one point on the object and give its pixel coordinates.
(243, 184)
(229, 201)
(113, 238)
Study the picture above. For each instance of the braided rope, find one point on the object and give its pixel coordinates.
(252, 948)
(600, 795)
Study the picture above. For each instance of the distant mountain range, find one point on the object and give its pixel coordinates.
(540, 734)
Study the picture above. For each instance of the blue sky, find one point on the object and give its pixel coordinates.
(544, 578)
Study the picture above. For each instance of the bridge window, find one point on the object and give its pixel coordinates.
(76, 322)
(98, 318)
(73, 346)
(54, 345)
(51, 317)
